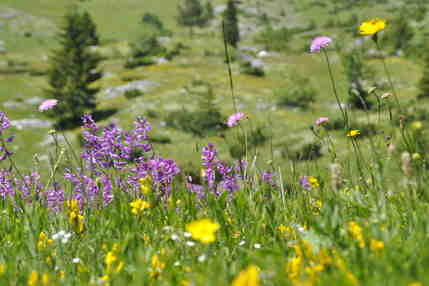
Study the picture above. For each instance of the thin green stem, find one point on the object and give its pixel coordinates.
(334, 87)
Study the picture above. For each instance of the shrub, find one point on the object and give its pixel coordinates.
(160, 139)
(252, 69)
(133, 93)
(276, 40)
(300, 93)
(306, 152)
(204, 121)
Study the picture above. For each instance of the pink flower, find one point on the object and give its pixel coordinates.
(47, 104)
(321, 120)
(235, 118)
(319, 43)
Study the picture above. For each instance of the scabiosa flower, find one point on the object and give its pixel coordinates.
(235, 118)
(320, 43)
(47, 104)
(321, 120)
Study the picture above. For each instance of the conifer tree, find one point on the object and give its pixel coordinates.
(232, 33)
(73, 69)
(191, 14)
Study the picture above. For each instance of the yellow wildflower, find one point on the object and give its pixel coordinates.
(376, 245)
(2, 269)
(203, 230)
(62, 275)
(372, 27)
(356, 232)
(109, 260)
(314, 183)
(146, 184)
(138, 206)
(72, 205)
(157, 266)
(282, 228)
(45, 279)
(33, 279)
(293, 267)
(77, 221)
(415, 284)
(247, 277)
(353, 133)
(416, 125)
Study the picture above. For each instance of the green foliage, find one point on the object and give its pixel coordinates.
(191, 14)
(257, 137)
(160, 139)
(230, 20)
(356, 73)
(250, 69)
(204, 121)
(305, 152)
(400, 34)
(153, 21)
(299, 93)
(74, 67)
(424, 81)
(133, 93)
(274, 39)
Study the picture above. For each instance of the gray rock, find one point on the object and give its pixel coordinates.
(142, 85)
(35, 100)
(219, 9)
(32, 123)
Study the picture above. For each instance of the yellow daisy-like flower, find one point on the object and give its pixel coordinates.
(146, 184)
(138, 206)
(372, 27)
(376, 245)
(203, 230)
(247, 277)
(353, 133)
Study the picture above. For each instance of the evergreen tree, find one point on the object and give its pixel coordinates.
(90, 29)
(191, 13)
(209, 11)
(73, 70)
(424, 82)
(232, 33)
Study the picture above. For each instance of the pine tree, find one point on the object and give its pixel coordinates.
(191, 13)
(232, 33)
(73, 70)
(424, 81)
(90, 29)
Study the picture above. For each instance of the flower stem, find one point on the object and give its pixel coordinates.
(334, 87)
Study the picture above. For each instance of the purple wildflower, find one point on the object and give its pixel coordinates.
(321, 120)
(209, 162)
(55, 197)
(319, 43)
(235, 118)
(268, 178)
(4, 122)
(305, 183)
(162, 171)
(47, 104)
